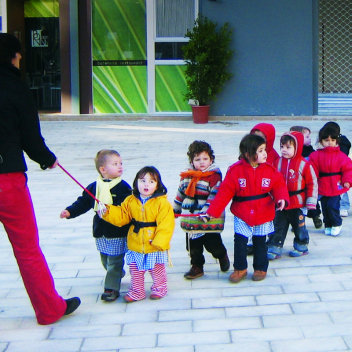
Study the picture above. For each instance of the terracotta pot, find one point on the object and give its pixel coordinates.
(200, 113)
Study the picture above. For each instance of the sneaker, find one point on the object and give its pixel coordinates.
(110, 296)
(335, 230)
(155, 297)
(296, 253)
(224, 263)
(194, 273)
(343, 212)
(317, 222)
(258, 275)
(72, 304)
(328, 231)
(273, 256)
(238, 275)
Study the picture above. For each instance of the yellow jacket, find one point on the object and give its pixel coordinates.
(148, 239)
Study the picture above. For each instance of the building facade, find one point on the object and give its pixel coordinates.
(291, 58)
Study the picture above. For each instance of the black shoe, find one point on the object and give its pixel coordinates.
(72, 304)
(317, 222)
(110, 295)
(224, 263)
(250, 250)
(194, 273)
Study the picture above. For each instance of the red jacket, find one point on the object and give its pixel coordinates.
(299, 174)
(242, 180)
(328, 160)
(269, 132)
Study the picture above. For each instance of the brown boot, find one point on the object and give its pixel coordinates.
(238, 275)
(258, 275)
(194, 273)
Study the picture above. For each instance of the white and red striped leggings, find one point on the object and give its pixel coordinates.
(159, 287)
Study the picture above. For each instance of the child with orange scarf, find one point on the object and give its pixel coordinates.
(198, 187)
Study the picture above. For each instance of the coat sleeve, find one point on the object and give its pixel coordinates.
(346, 168)
(180, 197)
(165, 226)
(311, 187)
(31, 138)
(279, 189)
(226, 192)
(83, 203)
(118, 215)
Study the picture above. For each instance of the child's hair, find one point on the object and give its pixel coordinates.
(155, 174)
(301, 129)
(330, 129)
(261, 133)
(249, 146)
(102, 156)
(198, 147)
(287, 139)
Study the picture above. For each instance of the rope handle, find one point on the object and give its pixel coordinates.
(90, 193)
(190, 215)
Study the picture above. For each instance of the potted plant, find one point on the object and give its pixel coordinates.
(206, 55)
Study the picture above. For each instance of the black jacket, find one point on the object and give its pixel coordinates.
(101, 227)
(19, 124)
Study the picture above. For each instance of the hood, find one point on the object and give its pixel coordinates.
(299, 140)
(269, 132)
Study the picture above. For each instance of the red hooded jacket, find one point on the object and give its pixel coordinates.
(269, 131)
(299, 174)
(243, 180)
(332, 160)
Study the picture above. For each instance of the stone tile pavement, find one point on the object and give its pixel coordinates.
(304, 304)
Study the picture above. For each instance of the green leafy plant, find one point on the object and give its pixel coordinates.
(207, 55)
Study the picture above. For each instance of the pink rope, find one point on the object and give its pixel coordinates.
(97, 200)
(187, 215)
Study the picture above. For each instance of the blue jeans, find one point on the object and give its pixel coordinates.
(345, 202)
(260, 258)
(331, 211)
(114, 270)
(282, 221)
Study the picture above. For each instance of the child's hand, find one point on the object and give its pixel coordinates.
(281, 204)
(102, 210)
(204, 217)
(347, 185)
(65, 214)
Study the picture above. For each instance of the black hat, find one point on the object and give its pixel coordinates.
(9, 46)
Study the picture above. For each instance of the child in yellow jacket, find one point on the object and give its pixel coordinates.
(149, 237)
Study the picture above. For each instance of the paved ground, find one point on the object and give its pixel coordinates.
(305, 304)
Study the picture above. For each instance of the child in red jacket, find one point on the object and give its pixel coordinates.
(335, 176)
(254, 186)
(267, 131)
(302, 185)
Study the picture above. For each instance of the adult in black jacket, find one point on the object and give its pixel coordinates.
(20, 131)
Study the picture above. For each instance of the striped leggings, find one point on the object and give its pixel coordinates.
(158, 274)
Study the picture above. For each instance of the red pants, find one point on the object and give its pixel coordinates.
(159, 287)
(18, 218)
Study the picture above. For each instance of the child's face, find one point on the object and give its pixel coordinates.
(261, 155)
(260, 133)
(147, 185)
(112, 168)
(329, 142)
(307, 140)
(202, 161)
(287, 150)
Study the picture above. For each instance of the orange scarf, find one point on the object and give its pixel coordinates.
(195, 176)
